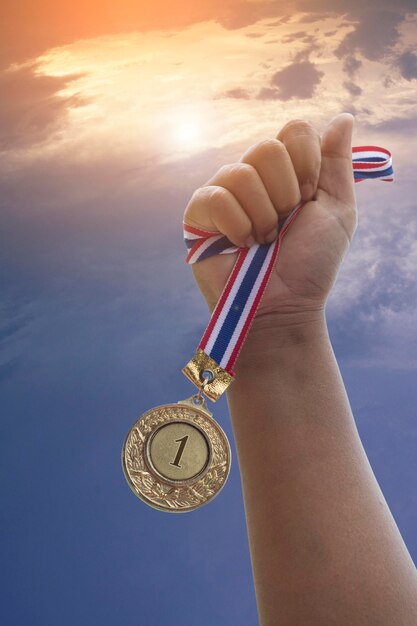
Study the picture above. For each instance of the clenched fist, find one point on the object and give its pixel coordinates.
(244, 201)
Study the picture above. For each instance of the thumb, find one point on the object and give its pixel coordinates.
(336, 172)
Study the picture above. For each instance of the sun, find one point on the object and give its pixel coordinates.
(188, 132)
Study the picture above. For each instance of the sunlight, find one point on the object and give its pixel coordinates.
(188, 131)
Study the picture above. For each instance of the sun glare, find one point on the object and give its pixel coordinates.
(187, 132)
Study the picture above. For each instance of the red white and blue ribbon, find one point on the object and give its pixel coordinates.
(234, 312)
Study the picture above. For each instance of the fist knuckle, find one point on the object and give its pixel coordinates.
(191, 203)
(216, 195)
(235, 173)
(239, 171)
(197, 195)
(266, 149)
(224, 169)
(206, 196)
(298, 128)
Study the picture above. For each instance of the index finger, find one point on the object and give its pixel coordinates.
(302, 142)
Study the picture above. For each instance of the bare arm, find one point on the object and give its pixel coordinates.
(324, 546)
(325, 549)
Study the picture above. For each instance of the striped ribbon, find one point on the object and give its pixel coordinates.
(235, 310)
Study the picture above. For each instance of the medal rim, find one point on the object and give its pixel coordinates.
(170, 482)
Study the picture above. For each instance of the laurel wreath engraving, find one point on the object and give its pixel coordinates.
(179, 497)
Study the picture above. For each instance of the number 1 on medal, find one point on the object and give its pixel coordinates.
(183, 441)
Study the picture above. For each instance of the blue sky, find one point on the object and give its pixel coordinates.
(99, 311)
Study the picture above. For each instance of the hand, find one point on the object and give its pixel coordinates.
(245, 199)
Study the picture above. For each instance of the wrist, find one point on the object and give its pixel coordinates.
(273, 334)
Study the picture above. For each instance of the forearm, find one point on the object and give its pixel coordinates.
(324, 546)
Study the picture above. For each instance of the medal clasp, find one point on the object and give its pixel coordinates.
(202, 364)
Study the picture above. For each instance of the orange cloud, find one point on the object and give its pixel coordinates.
(33, 108)
(31, 30)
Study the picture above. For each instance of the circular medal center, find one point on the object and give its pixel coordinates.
(178, 451)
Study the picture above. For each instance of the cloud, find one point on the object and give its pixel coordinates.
(266, 93)
(237, 92)
(298, 80)
(10, 326)
(304, 55)
(282, 20)
(351, 65)
(375, 28)
(315, 17)
(407, 64)
(16, 316)
(33, 108)
(303, 36)
(353, 89)
(401, 125)
(372, 37)
(341, 7)
(54, 24)
(373, 301)
(82, 242)
(294, 36)
(9, 369)
(235, 14)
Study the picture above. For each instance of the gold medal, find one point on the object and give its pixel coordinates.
(176, 457)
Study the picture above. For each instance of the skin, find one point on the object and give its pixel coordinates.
(324, 547)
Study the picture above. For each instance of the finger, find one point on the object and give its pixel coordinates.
(273, 163)
(302, 142)
(215, 208)
(244, 182)
(336, 175)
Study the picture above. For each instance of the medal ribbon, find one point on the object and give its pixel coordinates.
(236, 308)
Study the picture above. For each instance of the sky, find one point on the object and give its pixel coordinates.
(111, 115)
